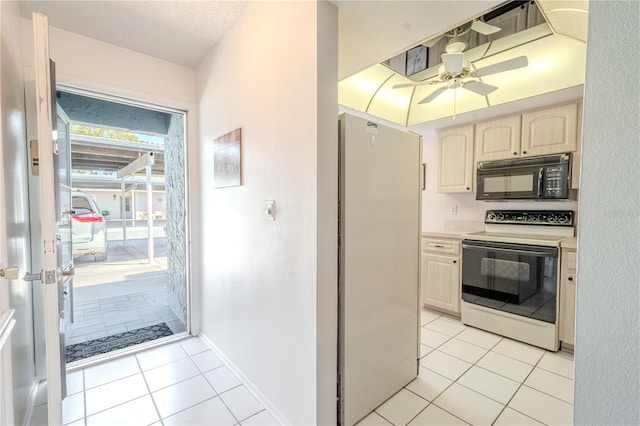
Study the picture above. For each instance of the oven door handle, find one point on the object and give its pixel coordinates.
(551, 251)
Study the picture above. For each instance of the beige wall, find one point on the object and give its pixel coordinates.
(265, 282)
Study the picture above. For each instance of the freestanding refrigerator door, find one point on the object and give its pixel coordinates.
(379, 261)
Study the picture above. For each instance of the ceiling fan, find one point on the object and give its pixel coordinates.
(456, 72)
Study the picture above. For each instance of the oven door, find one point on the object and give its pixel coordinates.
(516, 278)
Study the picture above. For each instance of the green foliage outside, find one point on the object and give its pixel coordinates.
(78, 129)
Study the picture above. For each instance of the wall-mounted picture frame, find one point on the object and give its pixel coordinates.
(227, 160)
(416, 59)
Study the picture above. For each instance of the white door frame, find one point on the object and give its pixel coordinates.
(50, 272)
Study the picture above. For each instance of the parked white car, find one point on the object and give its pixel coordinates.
(88, 228)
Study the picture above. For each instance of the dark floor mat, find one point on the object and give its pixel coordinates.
(117, 341)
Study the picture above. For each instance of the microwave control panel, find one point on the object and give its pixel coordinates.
(555, 181)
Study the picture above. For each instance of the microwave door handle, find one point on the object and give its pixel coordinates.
(540, 180)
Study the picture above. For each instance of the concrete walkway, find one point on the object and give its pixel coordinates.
(123, 293)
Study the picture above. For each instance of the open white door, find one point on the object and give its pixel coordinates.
(52, 253)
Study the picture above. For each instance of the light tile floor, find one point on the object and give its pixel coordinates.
(469, 376)
(176, 384)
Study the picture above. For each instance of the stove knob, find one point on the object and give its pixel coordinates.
(552, 218)
(499, 217)
(491, 217)
(563, 218)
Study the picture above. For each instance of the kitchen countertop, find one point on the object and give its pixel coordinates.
(449, 233)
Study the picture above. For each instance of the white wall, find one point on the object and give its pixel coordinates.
(94, 65)
(14, 214)
(607, 349)
(264, 282)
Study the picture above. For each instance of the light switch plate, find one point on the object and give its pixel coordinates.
(269, 210)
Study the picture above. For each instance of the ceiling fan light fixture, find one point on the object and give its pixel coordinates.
(453, 63)
(456, 45)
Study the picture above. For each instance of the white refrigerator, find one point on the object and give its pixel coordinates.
(379, 248)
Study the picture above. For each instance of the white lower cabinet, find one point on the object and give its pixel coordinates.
(440, 274)
(568, 297)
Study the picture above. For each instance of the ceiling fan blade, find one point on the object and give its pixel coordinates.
(414, 84)
(453, 62)
(433, 95)
(508, 65)
(479, 87)
(484, 28)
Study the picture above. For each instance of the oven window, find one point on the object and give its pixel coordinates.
(508, 183)
(510, 277)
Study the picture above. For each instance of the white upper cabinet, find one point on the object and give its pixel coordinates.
(550, 131)
(547, 131)
(455, 164)
(498, 139)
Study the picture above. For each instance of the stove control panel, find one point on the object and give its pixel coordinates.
(530, 217)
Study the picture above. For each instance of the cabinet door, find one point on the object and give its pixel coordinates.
(568, 308)
(441, 282)
(455, 168)
(550, 131)
(567, 296)
(498, 139)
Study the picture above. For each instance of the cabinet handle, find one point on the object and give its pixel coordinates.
(515, 153)
(570, 278)
(467, 188)
(524, 152)
(455, 261)
(438, 246)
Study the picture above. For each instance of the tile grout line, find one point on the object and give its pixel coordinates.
(153, 401)
(504, 406)
(200, 373)
(517, 390)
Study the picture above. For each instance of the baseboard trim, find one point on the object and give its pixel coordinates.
(269, 406)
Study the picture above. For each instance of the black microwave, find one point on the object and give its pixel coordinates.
(546, 177)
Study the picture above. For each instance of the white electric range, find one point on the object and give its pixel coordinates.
(510, 274)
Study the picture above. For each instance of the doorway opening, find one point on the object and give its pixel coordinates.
(129, 223)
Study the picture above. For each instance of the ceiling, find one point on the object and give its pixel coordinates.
(182, 32)
(555, 71)
(370, 32)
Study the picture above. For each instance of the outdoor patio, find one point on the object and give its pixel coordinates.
(124, 293)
